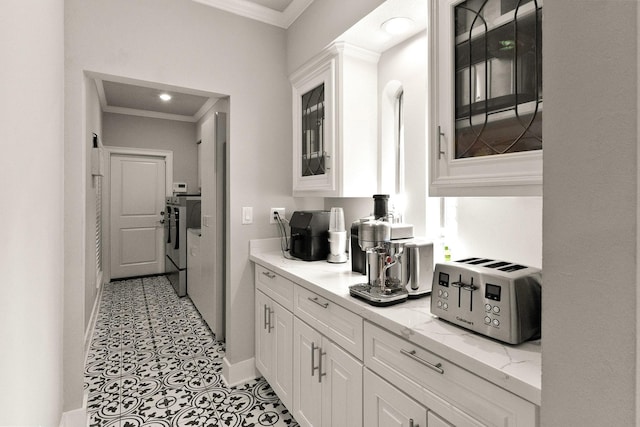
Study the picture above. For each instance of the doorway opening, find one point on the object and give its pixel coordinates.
(181, 144)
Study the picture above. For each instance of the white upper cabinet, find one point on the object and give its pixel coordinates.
(485, 102)
(335, 111)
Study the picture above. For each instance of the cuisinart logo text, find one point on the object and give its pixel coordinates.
(464, 320)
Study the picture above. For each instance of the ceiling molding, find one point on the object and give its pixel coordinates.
(205, 109)
(261, 13)
(150, 114)
(106, 108)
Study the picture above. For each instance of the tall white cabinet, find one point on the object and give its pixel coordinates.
(210, 294)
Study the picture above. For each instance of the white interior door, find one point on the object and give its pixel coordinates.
(137, 199)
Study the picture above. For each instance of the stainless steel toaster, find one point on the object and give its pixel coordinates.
(499, 299)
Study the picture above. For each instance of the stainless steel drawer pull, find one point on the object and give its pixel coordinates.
(411, 423)
(412, 354)
(321, 304)
(269, 275)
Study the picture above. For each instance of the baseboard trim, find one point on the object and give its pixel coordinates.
(88, 333)
(77, 417)
(239, 373)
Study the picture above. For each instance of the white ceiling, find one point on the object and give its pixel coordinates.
(368, 34)
(280, 13)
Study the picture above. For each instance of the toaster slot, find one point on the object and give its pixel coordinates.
(513, 267)
(497, 264)
(468, 260)
(480, 261)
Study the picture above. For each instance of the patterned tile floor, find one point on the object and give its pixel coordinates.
(153, 362)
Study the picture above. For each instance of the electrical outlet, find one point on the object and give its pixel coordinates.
(272, 214)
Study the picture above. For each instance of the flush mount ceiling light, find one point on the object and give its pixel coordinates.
(165, 96)
(398, 25)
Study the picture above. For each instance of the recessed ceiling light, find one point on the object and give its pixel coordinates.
(165, 96)
(398, 25)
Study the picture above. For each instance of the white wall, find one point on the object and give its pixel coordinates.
(503, 228)
(320, 24)
(406, 64)
(590, 250)
(31, 170)
(122, 130)
(190, 45)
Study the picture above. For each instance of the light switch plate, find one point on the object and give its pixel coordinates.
(247, 215)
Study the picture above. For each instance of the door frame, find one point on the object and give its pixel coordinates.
(110, 151)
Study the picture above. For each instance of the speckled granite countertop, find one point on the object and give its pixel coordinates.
(514, 368)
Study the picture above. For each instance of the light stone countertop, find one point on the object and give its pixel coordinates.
(514, 368)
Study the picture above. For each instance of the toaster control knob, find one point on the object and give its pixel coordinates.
(445, 305)
(487, 307)
(439, 304)
(439, 292)
(496, 322)
(496, 309)
(487, 320)
(445, 294)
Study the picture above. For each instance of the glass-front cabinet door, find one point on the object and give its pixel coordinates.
(312, 136)
(314, 139)
(486, 97)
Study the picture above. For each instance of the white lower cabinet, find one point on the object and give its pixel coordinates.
(330, 368)
(452, 395)
(274, 346)
(386, 406)
(327, 381)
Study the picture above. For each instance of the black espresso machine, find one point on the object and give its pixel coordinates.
(309, 235)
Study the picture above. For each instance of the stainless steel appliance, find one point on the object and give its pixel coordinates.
(384, 244)
(418, 267)
(309, 235)
(499, 299)
(381, 213)
(181, 212)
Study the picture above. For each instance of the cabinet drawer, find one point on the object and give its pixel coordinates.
(447, 389)
(333, 321)
(275, 286)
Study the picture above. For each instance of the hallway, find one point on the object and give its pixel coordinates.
(154, 362)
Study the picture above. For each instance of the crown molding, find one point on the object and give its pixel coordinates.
(261, 13)
(106, 108)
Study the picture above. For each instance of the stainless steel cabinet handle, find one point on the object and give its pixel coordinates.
(313, 358)
(321, 304)
(320, 373)
(412, 354)
(269, 324)
(440, 135)
(269, 275)
(265, 316)
(411, 423)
